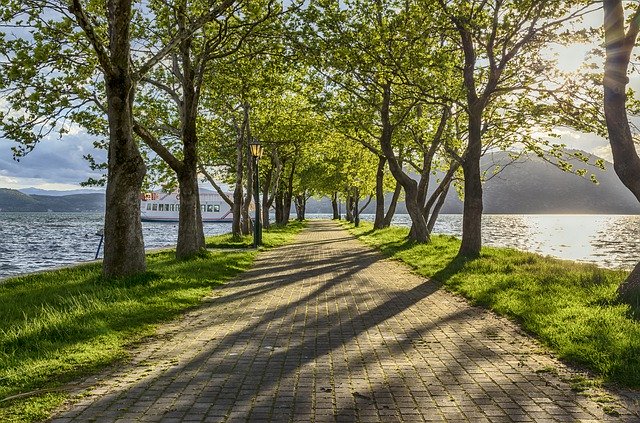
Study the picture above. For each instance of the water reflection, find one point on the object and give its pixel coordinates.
(611, 241)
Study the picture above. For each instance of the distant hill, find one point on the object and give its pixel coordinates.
(13, 200)
(58, 193)
(532, 186)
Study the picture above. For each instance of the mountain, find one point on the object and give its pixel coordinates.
(56, 193)
(536, 186)
(13, 200)
(531, 186)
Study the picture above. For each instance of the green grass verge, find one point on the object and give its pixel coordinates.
(570, 306)
(57, 326)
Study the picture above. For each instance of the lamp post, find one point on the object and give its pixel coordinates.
(256, 153)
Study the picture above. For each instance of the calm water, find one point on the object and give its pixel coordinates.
(611, 241)
(37, 241)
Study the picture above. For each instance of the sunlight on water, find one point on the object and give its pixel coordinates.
(611, 241)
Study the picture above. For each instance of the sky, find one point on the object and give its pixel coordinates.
(58, 164)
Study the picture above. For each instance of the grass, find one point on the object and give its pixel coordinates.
(57, 326)
(570, 307)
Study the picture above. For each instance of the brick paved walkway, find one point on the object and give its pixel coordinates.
(327, 330)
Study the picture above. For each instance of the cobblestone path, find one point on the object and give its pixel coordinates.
(327, 330)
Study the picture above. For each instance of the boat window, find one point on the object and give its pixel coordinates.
(166, 207)
(172, 207)
(177, 207)
(160, 207)
(216, 208)
(155, 207)
(209, 208)
(149, 206)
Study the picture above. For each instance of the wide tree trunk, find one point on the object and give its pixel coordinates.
(334, 206)
(472, 210)
(190, 231)
(378, 222)
(123, 244)
(626, 162)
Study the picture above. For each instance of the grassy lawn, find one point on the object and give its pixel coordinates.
(569, 306)
(60, 325)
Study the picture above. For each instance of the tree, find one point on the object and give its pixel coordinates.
(180, 82)
(58, 30)
(500, 42)
(619, 43)
(374, 51)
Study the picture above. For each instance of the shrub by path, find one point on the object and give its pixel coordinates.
(326, 329)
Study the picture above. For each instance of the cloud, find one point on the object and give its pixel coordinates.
(55, 162)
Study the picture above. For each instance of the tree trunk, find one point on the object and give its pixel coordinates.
(123, 244)
(246, 218)
(378, 223)
(438, 206)
(392, 206)
(288, 196)
(279, 207)
(265, 198)
(472, 214)
(190, 231)
(409, 185)
(236, 229)
(626, 162)
(349, 208)
(334, 206)
(300, 204)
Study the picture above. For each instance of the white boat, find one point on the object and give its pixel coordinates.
(163, 207)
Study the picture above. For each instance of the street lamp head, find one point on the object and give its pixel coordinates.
(256, 149)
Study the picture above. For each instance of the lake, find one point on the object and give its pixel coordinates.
(611, 241)
(38, 241)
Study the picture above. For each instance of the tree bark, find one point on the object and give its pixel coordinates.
(392, 205)
(442, 196)
(334, 206)
(190, 231)
(472, 209)
(349, 208)
(288, 196)
(265, 199)
(123, 244)
(410, 186)
(626, 163)
(246, 218)
(279, 207)
(378, 222)
(236, 229)
(300, 204)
